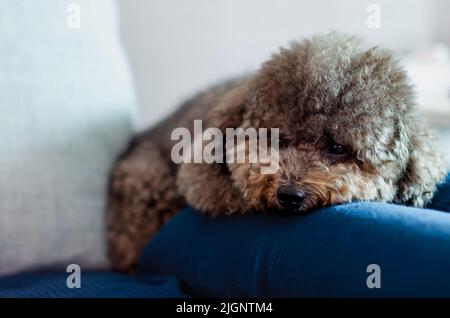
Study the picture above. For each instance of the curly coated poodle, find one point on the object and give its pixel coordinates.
(348, 132)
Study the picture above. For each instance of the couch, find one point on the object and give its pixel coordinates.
(68, 108)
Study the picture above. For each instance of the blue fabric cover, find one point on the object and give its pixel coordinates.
(324, 253)
(441, 200)
(93, 284)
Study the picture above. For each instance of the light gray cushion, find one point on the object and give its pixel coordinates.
(66, 110)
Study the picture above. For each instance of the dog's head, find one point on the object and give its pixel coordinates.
(346, 123)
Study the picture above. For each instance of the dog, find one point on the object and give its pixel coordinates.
(348, 131)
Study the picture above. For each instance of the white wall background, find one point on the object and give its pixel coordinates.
(177, 47)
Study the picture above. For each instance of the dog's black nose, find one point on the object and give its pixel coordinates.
(290, 198)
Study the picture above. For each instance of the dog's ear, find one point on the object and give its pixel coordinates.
(229, 110)
(425, 168)
(208, 187)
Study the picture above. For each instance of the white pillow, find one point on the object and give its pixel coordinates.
(66, 111)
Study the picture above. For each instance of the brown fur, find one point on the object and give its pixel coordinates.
(330, 89)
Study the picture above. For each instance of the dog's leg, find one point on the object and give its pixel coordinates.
(425, 169)
(208, 188)
(142, 196)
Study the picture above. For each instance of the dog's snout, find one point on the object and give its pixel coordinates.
(290, 198)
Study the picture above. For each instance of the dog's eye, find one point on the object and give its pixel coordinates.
(282, 142)
(337, 150)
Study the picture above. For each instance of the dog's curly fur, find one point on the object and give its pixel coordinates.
(329, 90)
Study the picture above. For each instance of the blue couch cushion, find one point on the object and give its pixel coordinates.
(441, 201)
(93, 284)
(325, 253)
